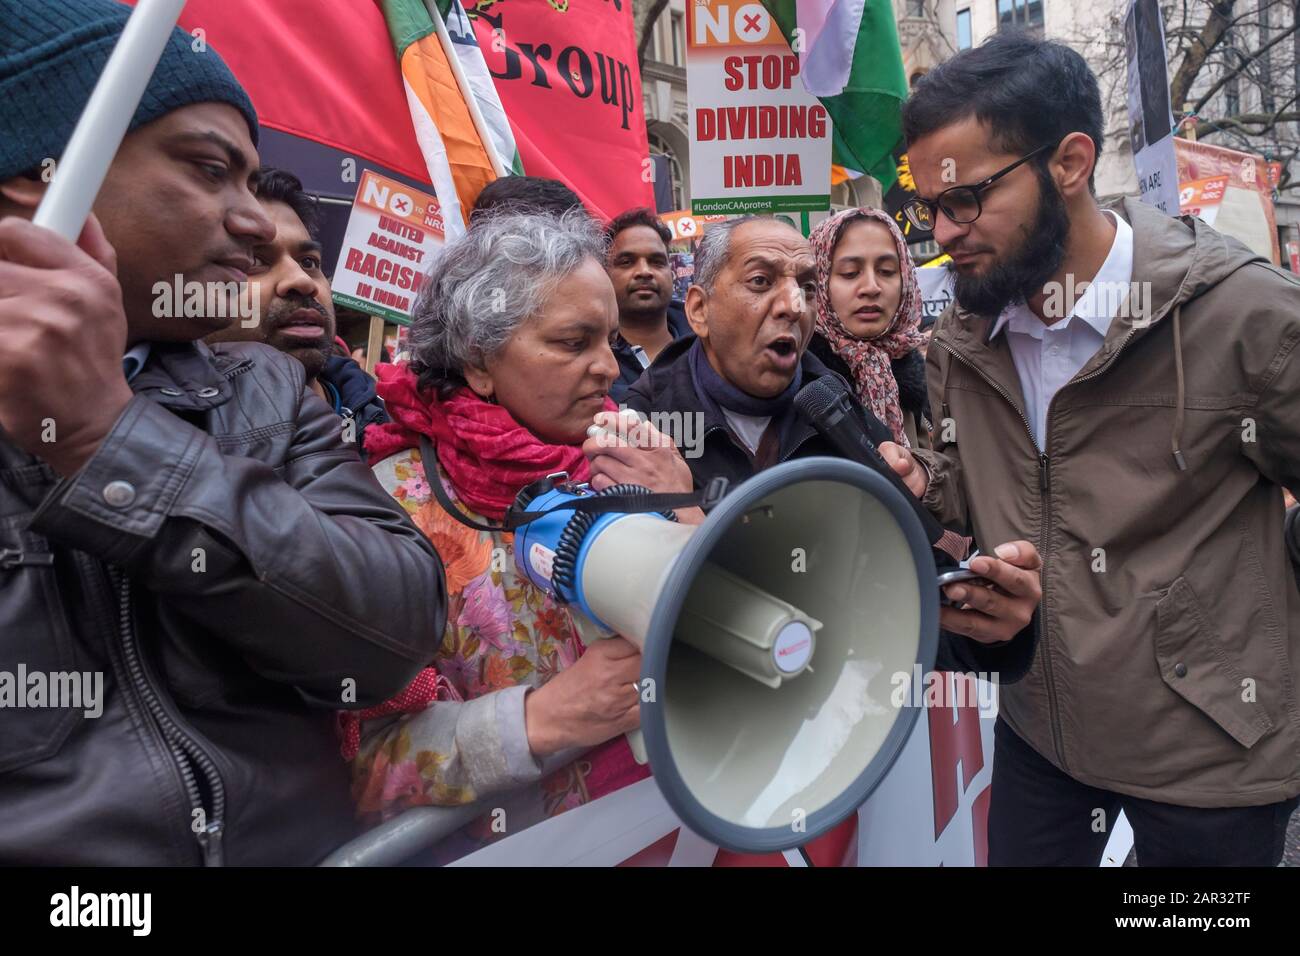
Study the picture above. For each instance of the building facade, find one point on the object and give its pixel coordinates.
(932, 30)
(663, 91)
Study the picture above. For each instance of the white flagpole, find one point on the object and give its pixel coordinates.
(103, 123)
(466, 90)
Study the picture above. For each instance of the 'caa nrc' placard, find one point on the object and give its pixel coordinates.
(392, 235)
(759, 141)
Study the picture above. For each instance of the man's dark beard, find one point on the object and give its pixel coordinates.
(312, 358)
(1022, 273)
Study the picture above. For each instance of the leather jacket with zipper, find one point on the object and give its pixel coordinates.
(236, 575)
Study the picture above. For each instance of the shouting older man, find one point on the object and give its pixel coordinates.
(751, 311)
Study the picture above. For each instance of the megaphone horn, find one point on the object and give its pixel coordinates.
(769, 636)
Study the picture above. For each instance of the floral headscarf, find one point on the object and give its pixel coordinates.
(868, 359)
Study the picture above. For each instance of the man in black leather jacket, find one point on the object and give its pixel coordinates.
(185, 521)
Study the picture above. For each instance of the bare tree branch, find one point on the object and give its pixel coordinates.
(1246, 60)
(647, 25)
(1210, 36)
(1241, 121)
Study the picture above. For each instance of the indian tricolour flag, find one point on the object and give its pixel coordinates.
(475, 71)
(850, 59)
(460, 126)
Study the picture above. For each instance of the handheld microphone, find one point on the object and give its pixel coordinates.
(825, 404)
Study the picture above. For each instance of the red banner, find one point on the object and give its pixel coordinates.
(567, 76)
(566, 73)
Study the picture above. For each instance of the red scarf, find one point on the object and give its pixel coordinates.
(487, 455)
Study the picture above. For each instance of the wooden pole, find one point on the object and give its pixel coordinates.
(374, 343)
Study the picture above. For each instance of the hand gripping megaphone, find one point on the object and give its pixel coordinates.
(769, 634)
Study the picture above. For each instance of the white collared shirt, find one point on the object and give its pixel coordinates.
(1048, 356)
(748, 428)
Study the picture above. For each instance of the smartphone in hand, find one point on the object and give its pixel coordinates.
(962, 575)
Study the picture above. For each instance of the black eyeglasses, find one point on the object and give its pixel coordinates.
(961, 204)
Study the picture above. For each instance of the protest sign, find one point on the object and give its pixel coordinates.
(904, 188)
(1151, 122)
(936, 284)
(392, 235)
(1245, 211)
(578, 63)
(1201, 197)
(930, 810)
(686, 227)
(682, 265)
(760, 142)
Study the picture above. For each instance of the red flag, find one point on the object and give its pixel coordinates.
(568, 81)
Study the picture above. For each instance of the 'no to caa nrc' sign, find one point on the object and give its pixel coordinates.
(759, 141)
(392, 235)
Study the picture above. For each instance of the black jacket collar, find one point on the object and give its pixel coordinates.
(667, 386)
(190, 376)
(629, 366)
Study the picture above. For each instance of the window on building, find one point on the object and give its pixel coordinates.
(1231, 89)
(916, 8)
(653, 52)
(1020, 15)
(660, 146)
(1267, 101)
(678, 35)
(963, 29)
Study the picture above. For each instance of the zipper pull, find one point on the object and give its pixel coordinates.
(1044, 474)
(10, 558)
(210, 841)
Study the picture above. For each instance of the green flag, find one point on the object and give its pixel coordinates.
(850, 59)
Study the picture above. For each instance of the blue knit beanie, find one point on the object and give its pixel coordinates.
(51, 55)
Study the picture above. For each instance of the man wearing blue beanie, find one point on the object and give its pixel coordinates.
(180, 525)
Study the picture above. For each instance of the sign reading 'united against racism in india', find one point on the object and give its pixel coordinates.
(392, 235)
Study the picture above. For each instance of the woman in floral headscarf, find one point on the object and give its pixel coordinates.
(869, 317)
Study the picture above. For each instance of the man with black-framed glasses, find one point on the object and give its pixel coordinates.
(961, 204)
(1122, 388)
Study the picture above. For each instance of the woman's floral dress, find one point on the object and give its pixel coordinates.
(503, 636)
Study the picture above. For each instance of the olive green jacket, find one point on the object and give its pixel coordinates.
(1170, 648)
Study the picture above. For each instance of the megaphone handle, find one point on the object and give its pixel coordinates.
(589, 633)
(636, 740)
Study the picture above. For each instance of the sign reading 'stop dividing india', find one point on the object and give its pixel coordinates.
(759, 141)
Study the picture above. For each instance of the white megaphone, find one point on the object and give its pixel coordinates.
(770, 635)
